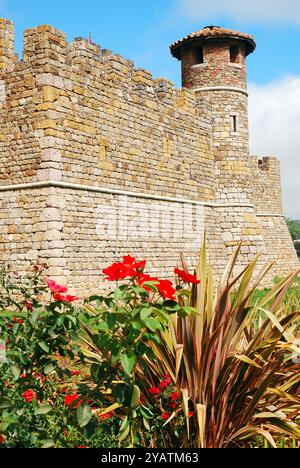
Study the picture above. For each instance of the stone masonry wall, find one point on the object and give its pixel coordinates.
(98, 160)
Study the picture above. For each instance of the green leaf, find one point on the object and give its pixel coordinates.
(124, 424)
(146, 413)
(44, 346)
(146, 424)
(5, 403)
(128, 362)
(102, 326)
(125, 433)
(145, 312)
(15, 370)
(152, 324)
(48, 444)
(84, 414)
(136, 395)
(49, 368)
(43, 409)
(118, 294)
(34, 317)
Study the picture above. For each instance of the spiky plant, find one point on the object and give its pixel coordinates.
(238, 373)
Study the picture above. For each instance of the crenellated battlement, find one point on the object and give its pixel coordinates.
(46, 49)
(44, 43)
(7, 44)
(268, 163)
(266, 180)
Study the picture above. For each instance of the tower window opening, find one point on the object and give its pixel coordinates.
(234, 124)
(199, 55)
(234, 54)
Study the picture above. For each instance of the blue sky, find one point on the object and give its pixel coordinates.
(143, 30)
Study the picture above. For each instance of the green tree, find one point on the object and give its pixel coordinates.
(294, 228)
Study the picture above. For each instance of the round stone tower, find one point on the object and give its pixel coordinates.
(214, 66)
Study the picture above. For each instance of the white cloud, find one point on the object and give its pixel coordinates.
(241, 10)
(274, 111)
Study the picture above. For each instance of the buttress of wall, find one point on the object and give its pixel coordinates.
(266, 185)
(277, 246)
(89, 117)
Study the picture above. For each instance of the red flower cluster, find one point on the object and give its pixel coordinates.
(186, 277)
(105, 416)
(69, 400)
(165, 287)
(29, 306)
(58, 290)
(175, 396)
(129, 268)
(165, 383)
(1, 439)
(15, 320)
(29, 395)
(154, 391)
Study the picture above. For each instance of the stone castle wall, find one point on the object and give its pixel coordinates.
(99, 160)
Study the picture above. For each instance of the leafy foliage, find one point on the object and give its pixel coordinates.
(294, 228)
(195, 364)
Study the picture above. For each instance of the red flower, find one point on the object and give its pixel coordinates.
(56, 288)
(82, 447)
(29, 306)
(118, 271)
(175, 396)
(131, 262)
(75, 372)
(166, 289)
(129, 268)
(142, 279)
(168, 379)
(105, 416)
(15, 320)
(174, 405)
(69, 400)
(163, 384)
(29, 395)
(166, 416)
(154, 391)
(68, 298)
(191, 414)
(1, 439)
(186, 277)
